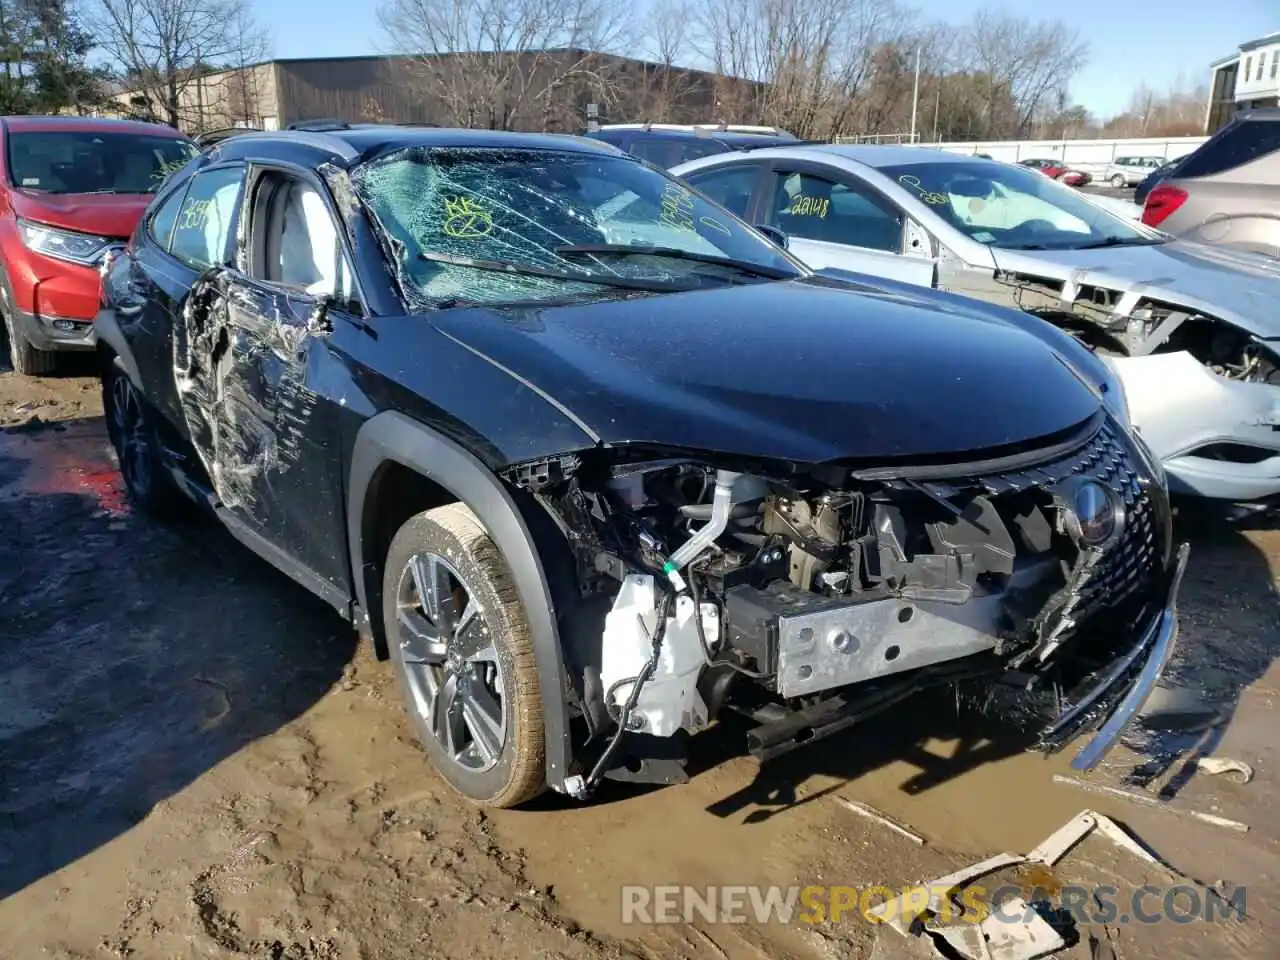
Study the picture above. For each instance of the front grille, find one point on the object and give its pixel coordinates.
(1130, 566)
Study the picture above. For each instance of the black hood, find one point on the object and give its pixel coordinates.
(805, 371)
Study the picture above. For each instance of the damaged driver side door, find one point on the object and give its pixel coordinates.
(256, 349)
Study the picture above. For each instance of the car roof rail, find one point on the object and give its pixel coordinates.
(783, 142)
(210, 137)
(319, 126)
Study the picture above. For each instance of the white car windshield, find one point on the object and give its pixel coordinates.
(1015, 208)
(487, 226)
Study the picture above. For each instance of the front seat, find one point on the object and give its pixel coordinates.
(310, 255)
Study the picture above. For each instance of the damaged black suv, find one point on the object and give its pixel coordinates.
(593, 461)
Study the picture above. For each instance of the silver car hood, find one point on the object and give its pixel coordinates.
(1238, 287)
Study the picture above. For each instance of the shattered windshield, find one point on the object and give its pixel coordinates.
(485, 226)
(1016, 208)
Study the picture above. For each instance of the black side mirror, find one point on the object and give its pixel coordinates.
(773, 233)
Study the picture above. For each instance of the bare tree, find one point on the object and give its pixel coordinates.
(810, 60)
(666, 88)
(1178, 112)
(251, 46)
(1023, 62)
(505, 64)
(163, 48)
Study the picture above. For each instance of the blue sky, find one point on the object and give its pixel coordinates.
(1130, 42)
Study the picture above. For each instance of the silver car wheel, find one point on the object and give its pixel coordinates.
(455, 677)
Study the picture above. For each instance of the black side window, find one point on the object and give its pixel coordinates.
(668, 153)
(815, 208)
(1237, 145)
(730, 186)
(661, 153)
(202, 235)
(161, 224)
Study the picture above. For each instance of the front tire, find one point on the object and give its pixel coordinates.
(1118, 182)
(137, 445)
(462, 653)
(25, 359)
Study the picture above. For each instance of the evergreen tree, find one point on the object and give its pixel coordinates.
(44, 51)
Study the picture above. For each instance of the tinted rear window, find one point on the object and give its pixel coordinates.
(88, 162)
(668, 153)
(1235, 146)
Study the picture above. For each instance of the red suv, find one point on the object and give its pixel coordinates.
(71, 191)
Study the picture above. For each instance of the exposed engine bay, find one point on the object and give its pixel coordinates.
(1127, 324)
(813, 595)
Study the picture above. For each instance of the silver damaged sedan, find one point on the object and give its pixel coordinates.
(1193, 331)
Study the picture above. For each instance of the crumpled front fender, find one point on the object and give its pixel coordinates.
(1182, 410)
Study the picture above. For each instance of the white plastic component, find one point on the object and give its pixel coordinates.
(720, 508)
(669, 700)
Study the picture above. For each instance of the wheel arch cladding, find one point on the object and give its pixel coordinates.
(111, 340)
(391, 437)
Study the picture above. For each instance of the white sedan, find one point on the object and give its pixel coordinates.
(1191, 330)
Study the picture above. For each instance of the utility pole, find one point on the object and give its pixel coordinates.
(937, 104)
(915, 97)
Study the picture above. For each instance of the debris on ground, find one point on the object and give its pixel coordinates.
(1242, 772)
(1149, 801)
(998, 938)
(871, 813)
(921, 913)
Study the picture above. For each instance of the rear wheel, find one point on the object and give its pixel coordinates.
(463, 655)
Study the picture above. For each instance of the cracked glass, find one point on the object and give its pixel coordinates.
(484, 226)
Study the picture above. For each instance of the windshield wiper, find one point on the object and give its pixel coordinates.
(529, 270)
(640, 249)
(1118, 242)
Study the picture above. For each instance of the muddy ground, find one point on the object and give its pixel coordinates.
(196, 760)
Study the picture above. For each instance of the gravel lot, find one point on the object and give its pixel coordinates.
(196, 760)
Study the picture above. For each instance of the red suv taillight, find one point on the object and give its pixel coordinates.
(1161, 202)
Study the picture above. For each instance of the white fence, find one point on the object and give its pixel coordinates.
(1091, 156)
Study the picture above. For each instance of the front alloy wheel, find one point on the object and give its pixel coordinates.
(454, 675)
(463, 656)
(132, 438)
(137, 446)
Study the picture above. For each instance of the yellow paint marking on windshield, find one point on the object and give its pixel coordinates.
(464, 219)
(677, 208)
(194, 214)
(715, 225)
(913, 183)
(805, 206)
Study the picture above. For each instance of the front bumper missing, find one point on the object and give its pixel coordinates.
(1126, 684)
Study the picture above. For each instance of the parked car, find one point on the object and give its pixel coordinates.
(1226, 192)
(1155, 176)
(71, 190)
(1076, 178)
(1052, 169)
(521, 408)
(997, 232)
(666, 145)
(1131, 171)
